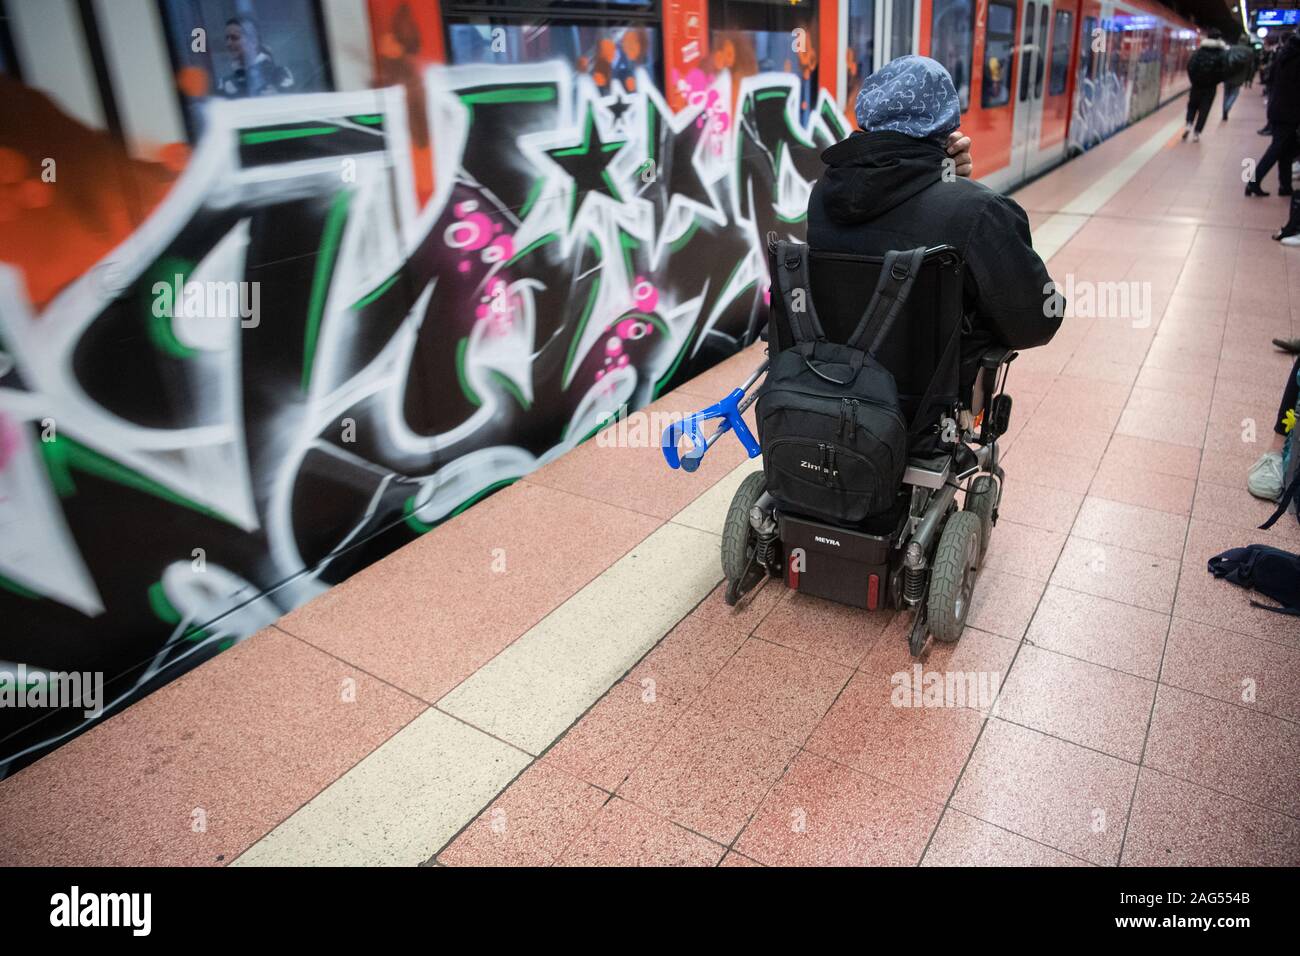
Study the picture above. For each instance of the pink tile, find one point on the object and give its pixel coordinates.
(248, 737)
(1209, 600)
(735, 859)
(781, 692)
(1120, 481)
(688, 657)
(636, 478)
(1023, 551)
(1232, 667)
(1238, 508)
(1224, 747)
(614, 736)
(962, 840)
(1105, 570)
(1158, 426)
(432, 613)
(1084, 703)
(883, 727)
(977, 651)
(1003, 604)
(1130, 526)
(623, 834)
(834, 632)
(1043, 466)
(1049, 790)
(746, 615)
(1179, 383)
(1176, 823)
(1146, 455)
(529, 824)
(1119, 636)
(708, 775)
(1068, 439)
(824, 814)
(1039, 506)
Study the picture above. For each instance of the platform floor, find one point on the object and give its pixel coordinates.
(552, 676)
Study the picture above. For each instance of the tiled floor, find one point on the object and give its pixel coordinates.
(552, 677)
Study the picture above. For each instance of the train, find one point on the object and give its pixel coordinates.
(285, 284)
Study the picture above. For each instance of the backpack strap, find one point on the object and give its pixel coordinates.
(792, 279)
(897, 276)
(1292, 490)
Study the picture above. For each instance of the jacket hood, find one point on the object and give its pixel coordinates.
(869, 174)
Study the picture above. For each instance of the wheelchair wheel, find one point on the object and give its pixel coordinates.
(981, 500)
(738, 538)
(952, 578)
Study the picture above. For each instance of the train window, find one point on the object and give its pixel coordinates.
(1061, 38)
(605, 51)
(1026, 50)
(900, 41)
(1089, 37)
(951, 37)
(1040, 58)
(264, 50)
(860, 48)
(766, 36)
(999, 44)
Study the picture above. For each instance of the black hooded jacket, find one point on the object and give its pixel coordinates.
(1284, 94)
(884, 191)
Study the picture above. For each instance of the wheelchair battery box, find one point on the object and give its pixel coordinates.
(839, 564)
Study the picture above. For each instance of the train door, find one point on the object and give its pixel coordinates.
(896, 28)
(1029, 84)
(1049, 146)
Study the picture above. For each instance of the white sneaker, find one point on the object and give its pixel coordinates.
(1265, 478)
(1196, 137)
(1291, 241)
(1187, 132)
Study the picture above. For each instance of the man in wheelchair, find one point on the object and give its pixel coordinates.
(871, 422)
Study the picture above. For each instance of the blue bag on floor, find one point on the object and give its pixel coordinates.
(1270, 571)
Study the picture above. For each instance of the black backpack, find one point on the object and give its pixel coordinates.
(1270, 571)
(1207, 66)
(833, 433)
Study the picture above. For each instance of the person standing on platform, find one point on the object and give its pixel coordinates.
(1283, 119)
(1206, 69)
(1241, 67)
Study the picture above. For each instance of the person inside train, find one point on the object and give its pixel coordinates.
(892, 185)
(254, 71)
(1207, 68)
(1283, 119)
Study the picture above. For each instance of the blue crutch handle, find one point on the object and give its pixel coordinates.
(730, 411)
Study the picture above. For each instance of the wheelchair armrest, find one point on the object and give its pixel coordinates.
(995, 356)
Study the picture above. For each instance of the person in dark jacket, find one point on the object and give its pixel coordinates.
(1206, 69)
(1241, 67)
(890, 186)
(1283, 120)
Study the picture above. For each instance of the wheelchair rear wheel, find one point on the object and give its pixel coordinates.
(738, 537)
(952, 578)
(981, 501)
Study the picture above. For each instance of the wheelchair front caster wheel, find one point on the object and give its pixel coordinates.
(739, 541)
(952, 578)
(982, 501)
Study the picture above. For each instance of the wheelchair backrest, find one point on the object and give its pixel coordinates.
(842, 285)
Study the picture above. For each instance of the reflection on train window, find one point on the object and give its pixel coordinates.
(1026, 50)
(860, 48)
(604, 51)
(1060, 70)
(766, 36)
(900, 29)
(1089, 37)
(950, 44)
(999, 43)
(1040, 58)
(267, 49)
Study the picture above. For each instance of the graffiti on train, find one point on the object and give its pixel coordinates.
(294, 366)
(1101, 109)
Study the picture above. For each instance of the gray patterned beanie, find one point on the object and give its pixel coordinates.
(912, 95)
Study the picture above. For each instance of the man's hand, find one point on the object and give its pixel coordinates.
(958, 147)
